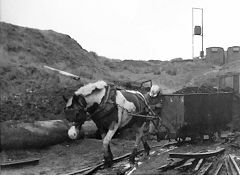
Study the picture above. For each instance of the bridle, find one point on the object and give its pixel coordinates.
(76, 112)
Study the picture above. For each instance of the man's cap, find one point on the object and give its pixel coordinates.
(154, 91)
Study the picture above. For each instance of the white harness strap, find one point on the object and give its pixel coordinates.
(144, 99)
(124, 103)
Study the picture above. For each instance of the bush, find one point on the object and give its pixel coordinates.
(93, 53)
(171, 72)
(109, 64)
(86, 75)
(157, 72)
(121, 76)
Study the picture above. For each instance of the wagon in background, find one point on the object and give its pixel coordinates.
(192, 111)
(196, 114)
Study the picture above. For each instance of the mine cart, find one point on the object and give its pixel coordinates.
(196, 114)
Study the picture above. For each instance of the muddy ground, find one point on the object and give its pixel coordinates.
(75, 155)
(63, 158)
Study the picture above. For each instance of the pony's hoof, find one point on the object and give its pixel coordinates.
(132, 165)
(147, 148)
(132, 161)
(108, 161)
(132, 156)
(147, 153)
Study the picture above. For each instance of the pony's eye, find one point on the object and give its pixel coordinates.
(68, 107)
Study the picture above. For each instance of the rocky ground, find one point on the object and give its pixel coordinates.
(64, 158)
(76, 155)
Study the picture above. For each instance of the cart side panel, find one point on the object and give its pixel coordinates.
(206, 113)
(173, 112)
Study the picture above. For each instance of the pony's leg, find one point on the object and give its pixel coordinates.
(99, 134)
(108, 157)
(139, 135)
(103, 135)
(144, 139)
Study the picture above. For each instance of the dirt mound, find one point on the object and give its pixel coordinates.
(201, 89)
(30, 92)
(24, 51)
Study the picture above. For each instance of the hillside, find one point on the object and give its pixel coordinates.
(24, 51)
(30, 92)
(27, 89)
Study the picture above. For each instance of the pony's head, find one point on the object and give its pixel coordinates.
(75, 109)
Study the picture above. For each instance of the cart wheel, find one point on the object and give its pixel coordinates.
(178, 139)
(193, 139)
(201, 137)
(183, 138)
(212, 137)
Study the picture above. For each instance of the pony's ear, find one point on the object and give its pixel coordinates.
(75, 97)
(64, 98)
(80, 100)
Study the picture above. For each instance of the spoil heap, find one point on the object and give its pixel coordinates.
(202, 89)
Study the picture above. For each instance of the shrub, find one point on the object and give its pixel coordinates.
(109, 64)
(121, 76)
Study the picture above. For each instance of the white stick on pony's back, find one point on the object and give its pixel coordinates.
(87, 89)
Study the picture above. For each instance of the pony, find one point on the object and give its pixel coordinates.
(111, 109)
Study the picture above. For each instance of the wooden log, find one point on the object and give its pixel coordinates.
(234, 164)
(197, 155)
(205, 168)
(229, 171)
(172, 143)
(18, 135)
(217, 170)
(20, 162)
(198, 165)
(188, 163)
(232, 169)
(172, 165)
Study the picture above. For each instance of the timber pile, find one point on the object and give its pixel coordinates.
(200, 163)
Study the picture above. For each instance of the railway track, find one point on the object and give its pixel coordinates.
(199, 163)
(122, 161)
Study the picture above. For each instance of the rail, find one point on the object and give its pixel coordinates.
(91, 170)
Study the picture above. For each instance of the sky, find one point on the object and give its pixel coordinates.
(132, 29)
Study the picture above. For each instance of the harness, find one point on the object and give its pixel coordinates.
(107, 104)
(152, 113)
